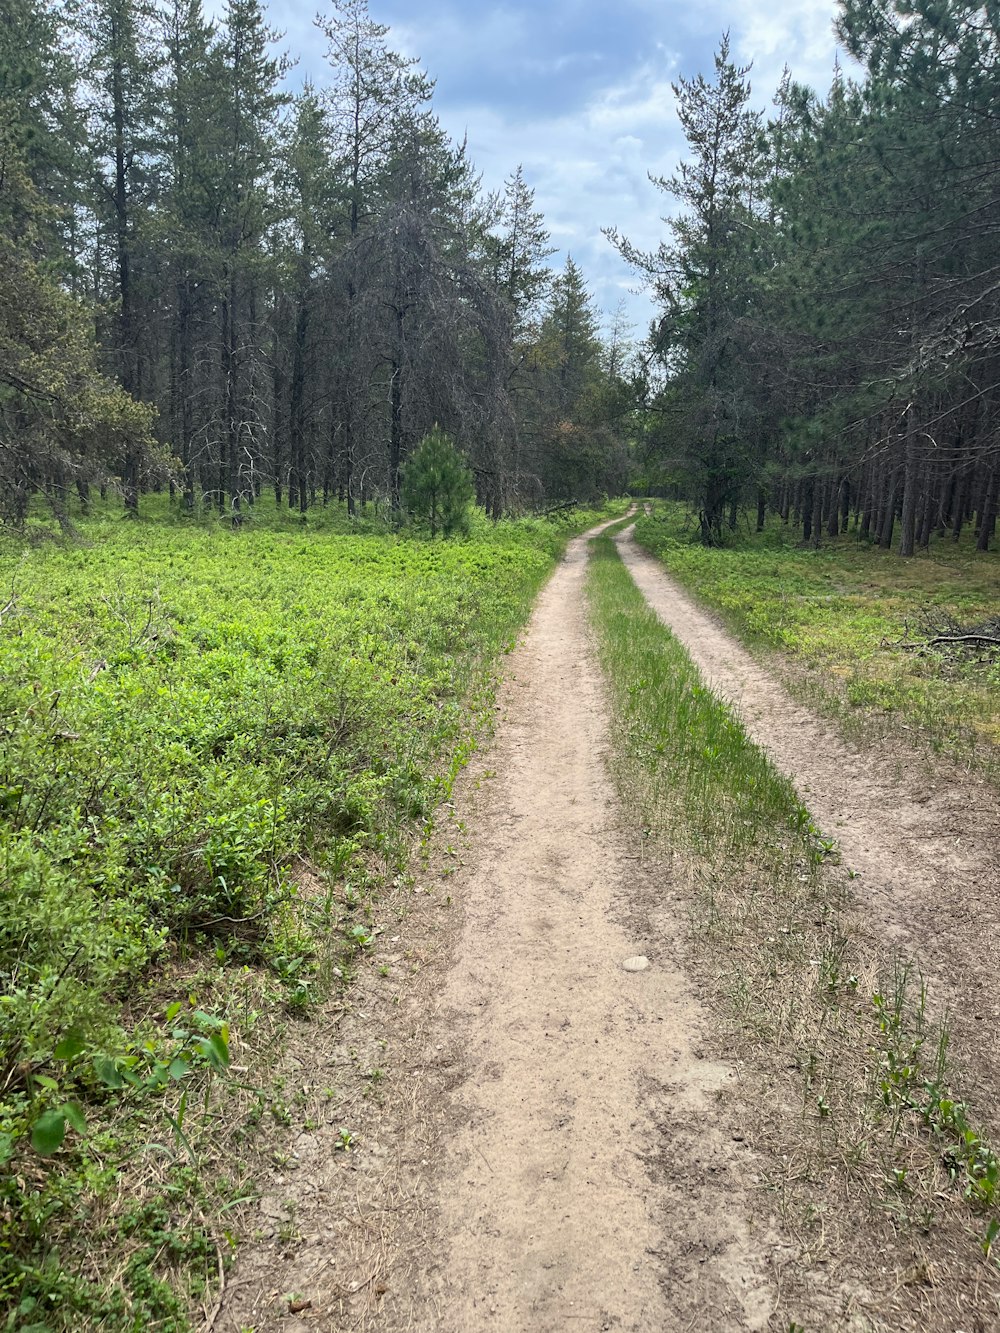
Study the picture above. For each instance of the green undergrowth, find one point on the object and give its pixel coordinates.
(213, 743)
(840, 615)
(863, 1130)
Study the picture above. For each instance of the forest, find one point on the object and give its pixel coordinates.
(828, 287)
(215, 285)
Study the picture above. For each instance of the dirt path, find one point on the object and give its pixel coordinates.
(924, 839)
(576, 1081)
(549, 1148)
(538, 1140)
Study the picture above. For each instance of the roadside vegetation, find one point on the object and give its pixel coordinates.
(845, 1093)
(215, 745)
(855, 629)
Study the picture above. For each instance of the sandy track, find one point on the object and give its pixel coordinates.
(924, 838)
(548, 1149)
(551, 1148)
(574, 1190)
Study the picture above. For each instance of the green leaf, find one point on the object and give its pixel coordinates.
(220, 1046)
(75, 1117)
(48, 1132)
(173, 1010)
(214, 1051)
(71, 1045)
(178, 1067)
(44, 1081)
(108, 1072)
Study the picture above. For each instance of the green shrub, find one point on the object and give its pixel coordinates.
(437, 485)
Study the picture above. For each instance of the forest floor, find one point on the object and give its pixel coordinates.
(531, 1135)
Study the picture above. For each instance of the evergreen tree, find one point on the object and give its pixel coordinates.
(519, 251)
(185, 231)
(437, 485)
(702, 278)
(61, 421)
(243, 208)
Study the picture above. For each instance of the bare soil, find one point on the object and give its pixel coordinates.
(540, 1138)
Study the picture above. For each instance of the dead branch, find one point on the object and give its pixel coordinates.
(918, 645)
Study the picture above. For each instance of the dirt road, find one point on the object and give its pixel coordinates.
(551, 1149)
(923, 838)
(538, 1141)
(572, 1192)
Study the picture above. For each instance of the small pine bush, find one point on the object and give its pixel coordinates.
(437, 485)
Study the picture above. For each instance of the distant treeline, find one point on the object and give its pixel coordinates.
(210, 283)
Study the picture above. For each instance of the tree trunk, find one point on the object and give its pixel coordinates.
(126, 324)
(808, 489)
(296, 406)
(396, 423)
(888, 517)
(911, 484)
(836, 500)
(988, 510)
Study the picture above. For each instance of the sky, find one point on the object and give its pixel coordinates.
(578, 92)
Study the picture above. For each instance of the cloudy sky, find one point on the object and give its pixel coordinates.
(578, 92)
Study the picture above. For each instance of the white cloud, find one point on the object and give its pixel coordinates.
(580, 94)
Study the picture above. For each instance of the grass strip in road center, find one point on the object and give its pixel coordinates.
(844, 1094)
(704, 780)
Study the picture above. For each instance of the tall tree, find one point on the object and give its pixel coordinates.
(246, 142)
(702, 278)
(123, 65)
(189, 107)
(373, 91)
(520, 248)
(61, 420)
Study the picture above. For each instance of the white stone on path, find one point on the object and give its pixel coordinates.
(637, 964)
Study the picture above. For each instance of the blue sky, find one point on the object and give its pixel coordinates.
(579, 93)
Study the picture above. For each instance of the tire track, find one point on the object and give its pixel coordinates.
(923, 838)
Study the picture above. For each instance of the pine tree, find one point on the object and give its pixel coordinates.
(189, 109)
(245, 154)
(702, 279)
(519, 251)
(62, 422)
(437, 485)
